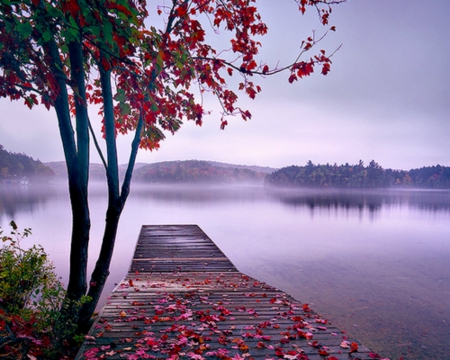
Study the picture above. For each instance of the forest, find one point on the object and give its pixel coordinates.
(195, 171)
(15, 166)
(359, 176)
(170, 172)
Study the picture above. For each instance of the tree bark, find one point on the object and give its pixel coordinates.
(115, 207)
(76, 152)
(77, 173)
(101, 270)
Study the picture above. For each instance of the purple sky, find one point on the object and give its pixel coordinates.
(386, 98)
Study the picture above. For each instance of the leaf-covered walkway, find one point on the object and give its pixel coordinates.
(184, 299)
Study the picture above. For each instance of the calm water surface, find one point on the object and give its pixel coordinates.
(377, 264)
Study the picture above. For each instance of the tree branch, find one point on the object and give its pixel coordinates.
(112, 172)
(97, 146)
(132, 159)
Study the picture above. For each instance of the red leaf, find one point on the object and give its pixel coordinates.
(181, 11)
(373, 355)
(251, 92)
(252, 65)
(323, 352)
(292, 78)
(72, 7)
(326, 68)
(121, 8)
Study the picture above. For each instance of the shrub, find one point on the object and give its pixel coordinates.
(31, 296)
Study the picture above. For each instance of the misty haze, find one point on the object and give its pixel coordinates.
(343, 115)
(375, 262)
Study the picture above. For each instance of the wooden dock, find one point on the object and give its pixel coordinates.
(184, 299)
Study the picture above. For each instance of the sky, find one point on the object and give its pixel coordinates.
(387, 97)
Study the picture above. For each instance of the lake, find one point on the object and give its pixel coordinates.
(375, 263)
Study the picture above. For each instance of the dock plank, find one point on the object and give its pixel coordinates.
(183, 299)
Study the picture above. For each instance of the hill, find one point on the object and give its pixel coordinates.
(96, 171)
(15, 166)
(190, 171)
(261, 169)
(195, 171)
(360, 176)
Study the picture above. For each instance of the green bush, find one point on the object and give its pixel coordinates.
(31, 297)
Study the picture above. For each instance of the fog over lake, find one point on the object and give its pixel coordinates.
(375, 263)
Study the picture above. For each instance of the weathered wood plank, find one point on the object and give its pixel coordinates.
(184, 299)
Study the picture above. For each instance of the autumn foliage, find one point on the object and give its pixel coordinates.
(157, 73)
(146, 69)
(31, 296)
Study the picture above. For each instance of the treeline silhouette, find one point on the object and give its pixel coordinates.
(15, 166)
(360, 176)
(194, 171)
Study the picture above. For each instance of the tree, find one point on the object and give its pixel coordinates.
(18, 165)
(71, 54)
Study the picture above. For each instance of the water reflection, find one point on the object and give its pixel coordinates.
(15, 199)
(364, 200)
(206, 193)
(386, 282)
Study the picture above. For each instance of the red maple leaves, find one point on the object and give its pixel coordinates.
(159, 76)
(199, 323)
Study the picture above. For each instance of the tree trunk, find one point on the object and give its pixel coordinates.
(76, 150)
(101, 270)
(115, 207)
(80, 213)
(78, 172)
